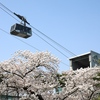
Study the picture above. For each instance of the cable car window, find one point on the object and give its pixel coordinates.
(25, 29)
(19, 27)
(13, 28)
(29, 30)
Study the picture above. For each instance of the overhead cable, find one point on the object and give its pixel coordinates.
(53, 41)
(21, 40)
(34, 33)
(40, 36)
(28, 44)
(44, 34)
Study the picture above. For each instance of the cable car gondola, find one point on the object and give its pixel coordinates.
(21, 30)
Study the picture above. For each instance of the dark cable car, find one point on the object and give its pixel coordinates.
(21, 30)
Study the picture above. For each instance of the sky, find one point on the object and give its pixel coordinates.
(74, 24)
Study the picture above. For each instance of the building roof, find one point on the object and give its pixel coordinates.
(88, 53)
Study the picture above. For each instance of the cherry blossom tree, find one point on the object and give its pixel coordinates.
(82, 84)
(34, 76)
(29, 75)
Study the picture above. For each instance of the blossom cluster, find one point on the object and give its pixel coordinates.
(34, 76)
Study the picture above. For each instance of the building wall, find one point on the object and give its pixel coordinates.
(6, 97)
(91, 59)
(95, 59)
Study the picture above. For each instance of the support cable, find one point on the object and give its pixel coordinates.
(29, 44)
(21, 40)
(43, 34)
(34, 33)
(53, 41)
(39, 36)
(51, 45)
(10, 14)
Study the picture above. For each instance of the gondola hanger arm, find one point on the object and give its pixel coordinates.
(22, 18)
